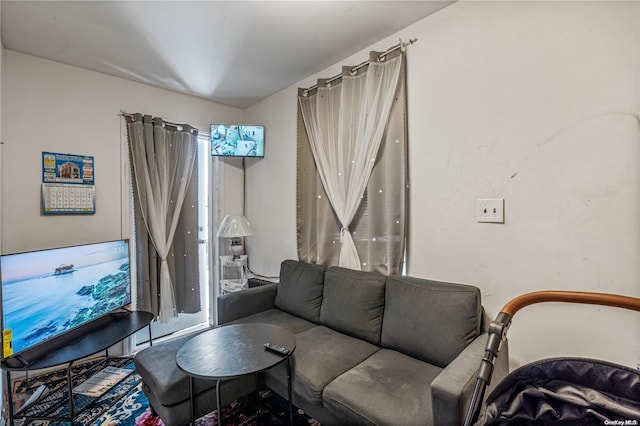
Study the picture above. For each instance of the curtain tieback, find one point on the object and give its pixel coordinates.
(343, 230)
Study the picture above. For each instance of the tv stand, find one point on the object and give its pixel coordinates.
(88, 339)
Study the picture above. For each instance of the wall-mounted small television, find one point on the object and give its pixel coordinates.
(237, 140)
(46, 293)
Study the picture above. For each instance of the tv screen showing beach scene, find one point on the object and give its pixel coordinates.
(48, 292)
(237, 140)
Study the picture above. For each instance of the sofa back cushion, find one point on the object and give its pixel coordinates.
(353, 303)
(300, 289)
(430, 320)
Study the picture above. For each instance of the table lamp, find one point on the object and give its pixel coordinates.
(235, 227)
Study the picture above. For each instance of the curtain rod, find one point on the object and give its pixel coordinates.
(399, 46)
(170, 123)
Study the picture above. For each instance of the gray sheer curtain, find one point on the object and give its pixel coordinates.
(165, 186)
(356, 122)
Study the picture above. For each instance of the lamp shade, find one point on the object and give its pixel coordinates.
(233, 226)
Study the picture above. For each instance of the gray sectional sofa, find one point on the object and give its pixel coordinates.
(370, 349)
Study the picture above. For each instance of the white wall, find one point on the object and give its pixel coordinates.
(536, 102)
(271, 183)
(48, 106)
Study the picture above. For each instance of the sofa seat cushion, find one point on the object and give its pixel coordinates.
(158, 369)
(300, 289)
(320, 356)
(353, 303)
(277, 317)
(167, 387)
(388, 388)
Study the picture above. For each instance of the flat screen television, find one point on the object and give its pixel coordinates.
(237, 140)
(46, 293)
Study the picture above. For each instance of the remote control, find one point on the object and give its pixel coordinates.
(277, 349)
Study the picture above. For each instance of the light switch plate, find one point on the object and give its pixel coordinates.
(490, 210)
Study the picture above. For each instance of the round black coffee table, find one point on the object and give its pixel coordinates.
(232, 351)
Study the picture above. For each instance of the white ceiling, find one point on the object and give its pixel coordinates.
(232, 52)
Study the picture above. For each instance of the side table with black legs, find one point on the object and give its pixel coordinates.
(232, 351)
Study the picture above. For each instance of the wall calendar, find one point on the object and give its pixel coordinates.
(68, 184)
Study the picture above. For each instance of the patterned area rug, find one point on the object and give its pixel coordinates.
(126, 405)
(134, 411)
(55, 401)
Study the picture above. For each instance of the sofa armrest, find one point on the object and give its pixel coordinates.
(451, 391)
(243, 303)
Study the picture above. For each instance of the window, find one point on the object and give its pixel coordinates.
(334, 115)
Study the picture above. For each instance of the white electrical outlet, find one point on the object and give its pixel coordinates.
(490, 210)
